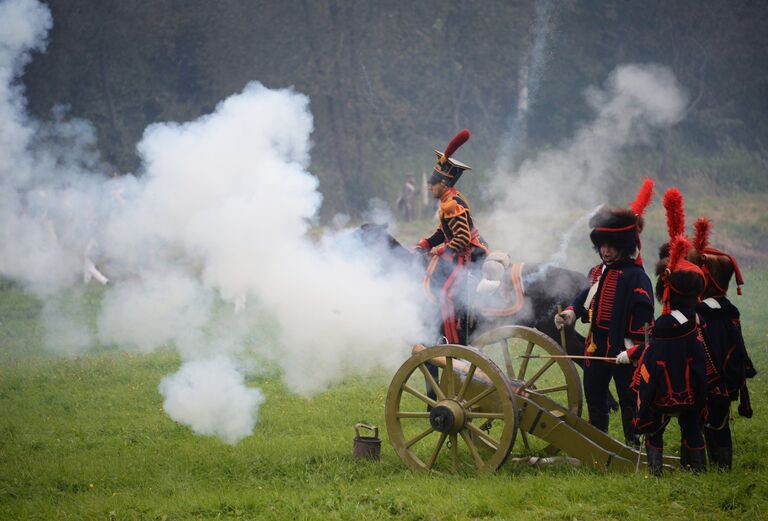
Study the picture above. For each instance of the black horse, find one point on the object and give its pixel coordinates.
(544, 289)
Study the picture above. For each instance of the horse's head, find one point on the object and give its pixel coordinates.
(375, 236)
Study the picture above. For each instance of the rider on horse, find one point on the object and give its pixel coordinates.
(457, 241)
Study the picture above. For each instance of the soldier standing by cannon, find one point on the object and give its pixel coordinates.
(617, 306)
(456, 243)
(722, 334)
(675, 370)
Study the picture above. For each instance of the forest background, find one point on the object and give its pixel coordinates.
(389, 81)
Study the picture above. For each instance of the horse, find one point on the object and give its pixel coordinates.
(528, 295)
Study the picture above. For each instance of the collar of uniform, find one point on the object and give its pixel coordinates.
(448, 193)
(712, 303)
(679, 316)
(619, 264)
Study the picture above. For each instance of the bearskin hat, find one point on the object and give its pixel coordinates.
(718, 266)
(447, 169)
(621, 227)
(679, 279)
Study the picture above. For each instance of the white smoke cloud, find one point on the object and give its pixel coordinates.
(218, 219)
(546, 194)
(211, 397)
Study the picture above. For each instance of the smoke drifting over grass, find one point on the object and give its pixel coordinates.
(546, 194)
(211, 397)
(216, 223)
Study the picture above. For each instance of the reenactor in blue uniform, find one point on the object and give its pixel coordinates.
(456, 242)
(618, 306)
(721, 330)
(673, 373)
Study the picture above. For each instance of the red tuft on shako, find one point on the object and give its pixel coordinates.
(681, 276)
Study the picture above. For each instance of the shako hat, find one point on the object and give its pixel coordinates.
(446, 168)
(621, 227)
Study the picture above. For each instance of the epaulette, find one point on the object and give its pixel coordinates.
(451, 208)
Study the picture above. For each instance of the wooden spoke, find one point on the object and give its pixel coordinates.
(468, 379)
(507, 359)
(482, 435)
(431, 381)
(419, 437)
(433, 458)
(524, 363)
(449, 377)
(485, 396)
(423, 397)
(454, 441)
(472, 449)
(412, 414)
(540, 372)
(479, 397)
(489, 415)
(546, 390)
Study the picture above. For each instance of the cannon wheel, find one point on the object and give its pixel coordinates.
(478, 391)
(557, 378)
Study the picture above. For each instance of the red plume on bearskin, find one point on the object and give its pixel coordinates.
(703, 227)
(458, 140)
(678, 247)
(673, 204)
(643, 198)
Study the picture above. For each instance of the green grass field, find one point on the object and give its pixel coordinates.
(87, 438)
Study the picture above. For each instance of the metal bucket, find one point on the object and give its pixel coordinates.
(366, 447)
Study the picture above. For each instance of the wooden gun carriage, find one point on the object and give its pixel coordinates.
(512, 381)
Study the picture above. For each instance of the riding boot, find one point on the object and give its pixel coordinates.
(712, 449)
(725, 458)
(696, 460)
(655, 460)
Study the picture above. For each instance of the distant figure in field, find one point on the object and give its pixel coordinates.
(405, 202)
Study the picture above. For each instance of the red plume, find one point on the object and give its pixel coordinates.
(643, 198)
(678, 247)
(673, 204)
(458, 140)
(703, 227)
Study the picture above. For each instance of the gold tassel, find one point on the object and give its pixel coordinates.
(592, 346)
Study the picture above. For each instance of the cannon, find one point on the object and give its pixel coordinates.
(513, 381)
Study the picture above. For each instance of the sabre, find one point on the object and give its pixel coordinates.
(572, 357)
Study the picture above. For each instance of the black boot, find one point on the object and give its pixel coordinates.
(712, 448)
(724, 458)
(696, 460)
(630, 438)
(599, 420)
(684, 457)
(655, 458)
(613, 405)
